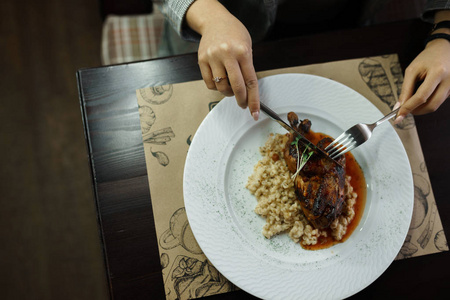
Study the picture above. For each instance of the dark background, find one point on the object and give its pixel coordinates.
(49, 245)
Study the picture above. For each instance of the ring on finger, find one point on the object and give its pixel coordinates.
(219, 79)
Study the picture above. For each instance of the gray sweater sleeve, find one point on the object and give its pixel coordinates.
(432, 6)
(175, 13)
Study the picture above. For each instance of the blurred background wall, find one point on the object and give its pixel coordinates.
(49, 242)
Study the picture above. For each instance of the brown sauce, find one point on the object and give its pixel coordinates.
(358, 183)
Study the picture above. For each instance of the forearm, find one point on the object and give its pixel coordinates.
(442, 15)
(202, 14)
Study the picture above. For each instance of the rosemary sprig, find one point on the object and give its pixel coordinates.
(303, 159)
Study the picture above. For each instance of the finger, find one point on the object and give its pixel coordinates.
(224, 87)
(222, 84)
(237, 83)
(251, 83)
(207, 75)
(419, 98)
(441, 94)
(409, 84)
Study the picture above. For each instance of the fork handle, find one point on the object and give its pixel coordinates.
(387, 117)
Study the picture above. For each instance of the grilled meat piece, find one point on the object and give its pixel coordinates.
(320, 184)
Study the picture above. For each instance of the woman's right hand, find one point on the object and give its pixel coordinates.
(225, 51)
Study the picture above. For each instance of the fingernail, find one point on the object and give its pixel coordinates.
(397, 105)
(398, 119)
(255, 115)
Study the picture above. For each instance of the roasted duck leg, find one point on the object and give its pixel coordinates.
(320, 183)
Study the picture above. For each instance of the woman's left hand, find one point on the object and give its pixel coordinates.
(432, 67)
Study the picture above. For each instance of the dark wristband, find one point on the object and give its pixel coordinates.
(442, 24)
(437, 36)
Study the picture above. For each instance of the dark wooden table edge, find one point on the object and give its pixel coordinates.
(93, 183)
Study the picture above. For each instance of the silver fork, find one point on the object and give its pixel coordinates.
(355, 136)
(273, 115)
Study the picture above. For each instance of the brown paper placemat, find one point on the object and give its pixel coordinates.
(170, 116)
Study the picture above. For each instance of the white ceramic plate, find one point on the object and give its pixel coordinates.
(220, 208)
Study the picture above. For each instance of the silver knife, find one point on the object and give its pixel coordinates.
(269, 112)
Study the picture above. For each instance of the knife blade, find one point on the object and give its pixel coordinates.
(274, 116)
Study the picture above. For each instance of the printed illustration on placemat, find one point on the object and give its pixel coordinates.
(155, 96)
(376, 73)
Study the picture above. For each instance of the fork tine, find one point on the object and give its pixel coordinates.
(337, 140)
(349, 148)
(331, 144)
(342, 145)
(343, 150)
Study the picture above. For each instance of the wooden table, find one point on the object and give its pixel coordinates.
(119, 174)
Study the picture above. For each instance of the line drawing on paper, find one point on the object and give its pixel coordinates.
(212, 104)
(179, 233)
(158, 137)
(157, 95)
(162, 157)
(396, 71)
(422, 189)
(147, 117)
(191, 278)
(189, 275)
(440, 241)
(165, 260)
(408, 249)
(376, 76)
(428, 231)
